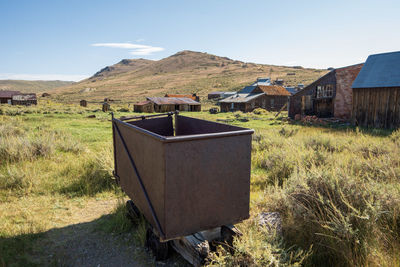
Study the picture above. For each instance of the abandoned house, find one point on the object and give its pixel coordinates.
(6, 96)
(144, 106)
(242, 102)
(192, 96)
(166, 104)
(24, 99)
(376, 92)
(270, 97)
(329, 96)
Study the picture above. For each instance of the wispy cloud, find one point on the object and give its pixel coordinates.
(42, 77)
(135, 49)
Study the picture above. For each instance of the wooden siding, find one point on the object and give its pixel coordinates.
(180, 107)
(376, 107)
(295, 102)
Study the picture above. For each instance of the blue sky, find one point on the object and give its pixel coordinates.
(71, 40)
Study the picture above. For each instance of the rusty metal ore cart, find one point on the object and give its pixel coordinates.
(185, 175)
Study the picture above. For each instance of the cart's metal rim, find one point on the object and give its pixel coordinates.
(181, 138)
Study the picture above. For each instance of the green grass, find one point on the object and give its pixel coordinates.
(337, 188)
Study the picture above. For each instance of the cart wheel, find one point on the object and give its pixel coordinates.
(133, 212)
(159, 249)
(228, 232)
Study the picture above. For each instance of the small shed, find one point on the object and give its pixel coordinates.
(328, 96)
(192, 96)
(243, 102)
(144, 106)
(83, 103)
(376, 92)
(24, 99)
(6, 96)
(166, 104)
(105, 107)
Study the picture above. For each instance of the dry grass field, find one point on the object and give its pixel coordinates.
(336, 188)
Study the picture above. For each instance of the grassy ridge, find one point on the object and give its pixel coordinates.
(336, 188)
(32, 86)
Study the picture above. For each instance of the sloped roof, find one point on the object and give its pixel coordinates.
(247, 89)
(172, 100)
(275, 90)
(178, 95)
(380, 70)
(8, 94)
(240, 98)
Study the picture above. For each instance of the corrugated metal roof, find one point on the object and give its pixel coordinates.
(178, 95)
(8, 94)
(24, 97)
(247, 89)
(216, 93)
(241, 98)
(380, 70)
(275, 90)
(172, 100)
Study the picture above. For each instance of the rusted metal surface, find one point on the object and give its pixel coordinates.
(195, 180)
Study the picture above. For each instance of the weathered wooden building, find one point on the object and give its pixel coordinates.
(376, 92)
(24, 99)
(243, 102)
(166, 104)
(6, 96)
(329, 96)
(145, 106)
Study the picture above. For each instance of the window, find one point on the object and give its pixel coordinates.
(324, 91)
(272, 102)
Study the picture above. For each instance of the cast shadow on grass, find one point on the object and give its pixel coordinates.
(111, 240)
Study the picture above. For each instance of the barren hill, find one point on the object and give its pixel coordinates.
(32, 86)
(183, 72)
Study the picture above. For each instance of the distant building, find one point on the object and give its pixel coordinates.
(166, 104)
(376, 92)
(145, 106)
(270, 97)
(83, 103)
(192, 96)
(260, 81)
(6, 96)
(242, 102)
(329, 96)
(24, 99)
(278, 82)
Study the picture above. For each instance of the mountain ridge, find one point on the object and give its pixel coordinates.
(183, 72)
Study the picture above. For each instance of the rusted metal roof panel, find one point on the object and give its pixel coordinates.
(193, 97)
(172, 100)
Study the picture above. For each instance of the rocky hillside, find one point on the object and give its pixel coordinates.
(184, 72)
